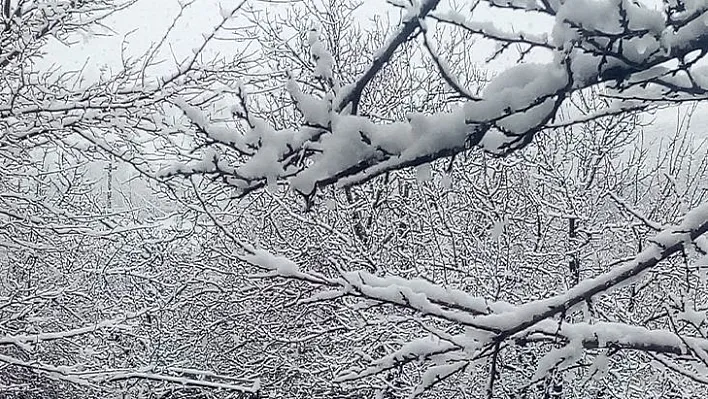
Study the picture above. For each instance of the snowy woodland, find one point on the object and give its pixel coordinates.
(355, 199)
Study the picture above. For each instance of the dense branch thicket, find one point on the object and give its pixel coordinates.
(96, 279)
(465, 233)
(558, 270)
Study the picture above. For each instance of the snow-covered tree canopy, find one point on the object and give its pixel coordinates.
(640, 55)
(540, 248)
(64, 331)
(645, 53)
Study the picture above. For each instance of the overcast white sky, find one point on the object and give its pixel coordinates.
(145, 23)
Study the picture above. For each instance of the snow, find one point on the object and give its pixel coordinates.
(490, 29)
(559, 359)
(323, 59)
(493, 140)
(515, 90)
(600, 367)
(424, 173)
(454, 305)
(606, 334)
(315, 111)
(446, 181)
(515, 102)
(498, 228)
(416, 349)
(449, 296)
(345, 134)
(676, 40)
(219, 133)
(436, 374)
(280, 264)
(420, 137)
(485, 321)
(22, 339)
(691, 315)
(227, 9)
(349, 149)
(330, 204)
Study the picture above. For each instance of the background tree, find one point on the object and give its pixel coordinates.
(96, 281)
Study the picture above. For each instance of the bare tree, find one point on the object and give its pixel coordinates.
(93, 278)
(577, 291)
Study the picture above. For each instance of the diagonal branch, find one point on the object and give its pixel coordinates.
(404, 33)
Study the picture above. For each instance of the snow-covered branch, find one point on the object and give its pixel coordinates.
(491, 323)
(626, 51)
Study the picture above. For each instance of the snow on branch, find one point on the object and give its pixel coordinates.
(25, 341)
(178, 376)
(199, 379)
(491, 325)
(642, 54)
